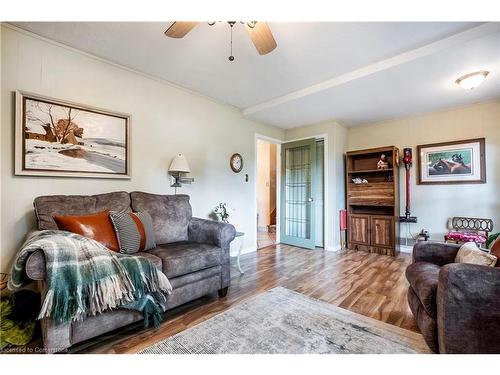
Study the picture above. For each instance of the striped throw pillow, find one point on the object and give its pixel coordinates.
(134, 231)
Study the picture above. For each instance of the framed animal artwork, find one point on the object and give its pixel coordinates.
(58, 138)
(456, 162)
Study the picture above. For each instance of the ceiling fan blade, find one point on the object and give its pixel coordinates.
(262, 37)
(179, 29)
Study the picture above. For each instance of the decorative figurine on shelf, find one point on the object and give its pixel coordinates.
(383, 163)
(423, 235)
(359, 180)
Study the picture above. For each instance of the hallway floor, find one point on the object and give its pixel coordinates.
(265, 239)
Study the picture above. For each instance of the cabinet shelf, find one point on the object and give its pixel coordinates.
(371, 171)
(371, 184)
(369, 204)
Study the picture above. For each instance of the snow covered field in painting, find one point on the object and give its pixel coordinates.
(96, 155)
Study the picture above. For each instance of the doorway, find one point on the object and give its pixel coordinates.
(302, 193)
(291, 191)
(266, 193)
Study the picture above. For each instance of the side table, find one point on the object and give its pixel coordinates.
(239, 235)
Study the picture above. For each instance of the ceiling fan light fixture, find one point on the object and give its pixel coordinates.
(259, 32)
(472, 80)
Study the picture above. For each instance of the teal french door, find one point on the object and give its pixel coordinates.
(297, 189)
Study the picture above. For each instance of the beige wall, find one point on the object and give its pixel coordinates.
(433, 205)
(334, 171)
(166, 120)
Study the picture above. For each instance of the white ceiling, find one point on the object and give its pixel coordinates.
(350, 72)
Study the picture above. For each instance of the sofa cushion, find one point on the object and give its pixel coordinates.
(423, 278)
(152, 258)
(183, 258)
(194, 277)
(470, 253)
(96, 226)
(495, 249)
(170, 213)
(134, 231)
(48, 206)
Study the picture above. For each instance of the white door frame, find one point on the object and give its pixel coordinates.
(278, 143)
(326, 198)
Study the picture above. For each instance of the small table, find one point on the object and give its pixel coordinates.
(240, 236)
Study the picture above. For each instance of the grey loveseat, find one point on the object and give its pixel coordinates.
(192, 252)
(456, 305)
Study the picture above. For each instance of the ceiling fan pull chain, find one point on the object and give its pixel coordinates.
(231, 57)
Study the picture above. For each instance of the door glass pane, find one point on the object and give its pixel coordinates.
(297, 191)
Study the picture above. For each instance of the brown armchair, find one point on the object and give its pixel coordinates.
(456, 305)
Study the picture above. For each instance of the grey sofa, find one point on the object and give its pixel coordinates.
(456, 305)
(192, 252)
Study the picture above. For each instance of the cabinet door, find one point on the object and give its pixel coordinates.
(359, 229)
(382, 231)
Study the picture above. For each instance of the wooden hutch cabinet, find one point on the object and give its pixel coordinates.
(373, 207)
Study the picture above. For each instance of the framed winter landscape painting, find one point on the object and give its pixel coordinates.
(457, 162)
(59, 138)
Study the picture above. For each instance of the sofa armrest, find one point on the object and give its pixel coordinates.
(35, 266)
(218, 234)
(438, 253)
(212, 232)
(468, 309)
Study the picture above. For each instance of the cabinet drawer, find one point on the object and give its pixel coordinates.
(374, 194)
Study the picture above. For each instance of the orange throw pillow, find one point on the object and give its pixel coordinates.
(97, 226)
(495, 249)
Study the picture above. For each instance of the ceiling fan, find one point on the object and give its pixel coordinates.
(259, 32)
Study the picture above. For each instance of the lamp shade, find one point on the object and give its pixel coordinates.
(179, 164)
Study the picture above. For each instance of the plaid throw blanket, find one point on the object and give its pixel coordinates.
(84, 278)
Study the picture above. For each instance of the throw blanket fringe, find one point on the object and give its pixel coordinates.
(108, 293)
(84, 278)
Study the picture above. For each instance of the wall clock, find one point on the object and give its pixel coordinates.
(236, 163)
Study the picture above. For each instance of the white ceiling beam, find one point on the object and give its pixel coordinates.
(402, 58)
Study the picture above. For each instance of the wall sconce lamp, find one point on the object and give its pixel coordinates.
(178, 169)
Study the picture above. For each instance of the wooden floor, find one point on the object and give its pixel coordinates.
(369, 284)
(265, 239)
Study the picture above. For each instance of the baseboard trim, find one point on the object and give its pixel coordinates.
(405, 249)
(332, 248)
(247, 250)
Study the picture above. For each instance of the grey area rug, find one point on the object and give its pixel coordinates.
(285, 322)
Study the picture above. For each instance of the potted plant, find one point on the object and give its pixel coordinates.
(222, 212)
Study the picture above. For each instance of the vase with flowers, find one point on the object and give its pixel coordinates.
(222, 212)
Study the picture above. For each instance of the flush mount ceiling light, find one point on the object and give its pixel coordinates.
(472, 80)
